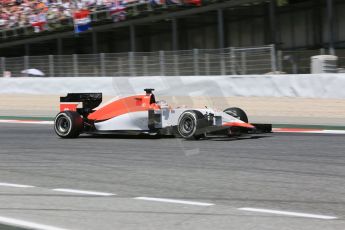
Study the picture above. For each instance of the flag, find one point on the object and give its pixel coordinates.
(82, 21)
(39, 22)
(117, 11)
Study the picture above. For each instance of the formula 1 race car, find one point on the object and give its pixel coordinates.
(142, 114)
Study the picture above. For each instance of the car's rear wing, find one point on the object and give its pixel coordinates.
(89, 100)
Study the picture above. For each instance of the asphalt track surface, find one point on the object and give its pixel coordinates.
(301, 173)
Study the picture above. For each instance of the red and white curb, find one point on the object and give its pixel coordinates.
(27, 122)
(313, 131)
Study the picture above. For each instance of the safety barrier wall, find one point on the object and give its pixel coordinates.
(326, 86)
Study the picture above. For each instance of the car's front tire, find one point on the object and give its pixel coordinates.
(189, 125)
(68, 124)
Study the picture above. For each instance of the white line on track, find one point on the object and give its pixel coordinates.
(297, 214)
(334, 131)
(173, 201)
(27, 224)
(27, 122)
(94, 193)
(16, 185)
(340, 132)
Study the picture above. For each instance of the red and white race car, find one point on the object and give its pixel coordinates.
(142, 114)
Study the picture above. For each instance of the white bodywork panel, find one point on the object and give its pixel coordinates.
(169, 117)
(128, 121)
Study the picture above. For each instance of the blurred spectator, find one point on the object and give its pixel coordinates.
(14, 13)
(40, 13)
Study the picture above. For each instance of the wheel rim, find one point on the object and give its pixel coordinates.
(187, 126)
(63, 125)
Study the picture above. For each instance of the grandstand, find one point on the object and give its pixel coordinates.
(46, 27)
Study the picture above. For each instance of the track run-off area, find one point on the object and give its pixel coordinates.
(270, 181)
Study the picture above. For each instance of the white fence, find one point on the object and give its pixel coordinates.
(196, 62)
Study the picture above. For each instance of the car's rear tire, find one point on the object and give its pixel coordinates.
(189, 124)
(68, 124)
(237, 113)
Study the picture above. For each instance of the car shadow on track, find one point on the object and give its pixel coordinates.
(236, 138)
(123, 136)
(153, 137)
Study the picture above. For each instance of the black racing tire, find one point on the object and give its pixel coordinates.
(237, 113)
(188, 124)
(68, 124)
